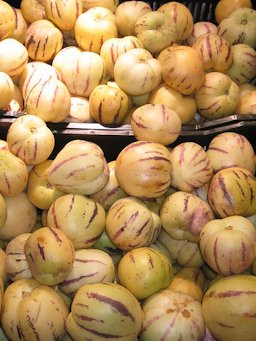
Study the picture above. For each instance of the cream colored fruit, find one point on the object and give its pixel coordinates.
(191, 167)
(82, 227)
(79, 111)
(225, 195)
(190, 281)
(216, 52)
(188, 78)
(127, 13)
(232, 298)
(245, 88)
(81, 71)
(155, 31)
(63, 13)
(111, 191)
(25, 301)
(225, 7)
(94, 27)
(40, 192)
(13, 174)
(49, 100)
(183, 215)
(172, 314)
(13, 57)
(79, 167)
(239, 27)
(144, 72)
(30, 139)
(50, 255)
(111, 303)
(15, 261)
(21, 26)
(6, 90)
(200, 28)
(222, 241)
(231, 149)
(144, 271)
(32, 10)
(133, 214)
(110, 4)
(143, 169)
(90, 266)
(156, 123)
(218, 96)
(3, 211)
(104, 109)
(7, 21)
(21, 216)
(3, 274)
(112, 48)
(243, 68)
(181, 19)
(17, 101)
(184, 106)
(247, 104)
(43, 40)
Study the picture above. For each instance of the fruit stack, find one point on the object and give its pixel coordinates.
(158, 243)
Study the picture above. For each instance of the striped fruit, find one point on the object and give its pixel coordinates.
(104, 311)
(63, 13)
(143, 169)
(32, 10)
(7, 21)
(21, 26)
(43, 40)
(216, 52)
(49, 99)
(50, 255)
(247, 104)
(231, 149)
(80, 218)
(104, 109)
(218, 96)
(228, 244)
(191, 166)
(130, 224)
(156, 123)
(79, 167)
(21, 216)
(200, 28)
(79, 111)
(30, 139)
(13, 57)
(112, 48)
(6, 90)
(229, 308)
(15, 262)
(110, 4)
(183, 215)
(188, 79)
(232, 191)
(90, 266)
(13, 174)
(243, 68)
(180, 17)
(172, 315)
(81, 71)
(38, 311)
(40, 192)
(183, 252)
(144, 271)
(111, 191)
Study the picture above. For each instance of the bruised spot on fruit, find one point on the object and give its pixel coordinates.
(170, 311)
(186, 313)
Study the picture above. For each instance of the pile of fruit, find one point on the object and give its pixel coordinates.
(160, 243)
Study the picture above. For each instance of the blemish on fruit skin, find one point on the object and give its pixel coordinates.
(231, 293)
(31, 325)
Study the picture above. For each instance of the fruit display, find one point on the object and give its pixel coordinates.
(156, 241)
